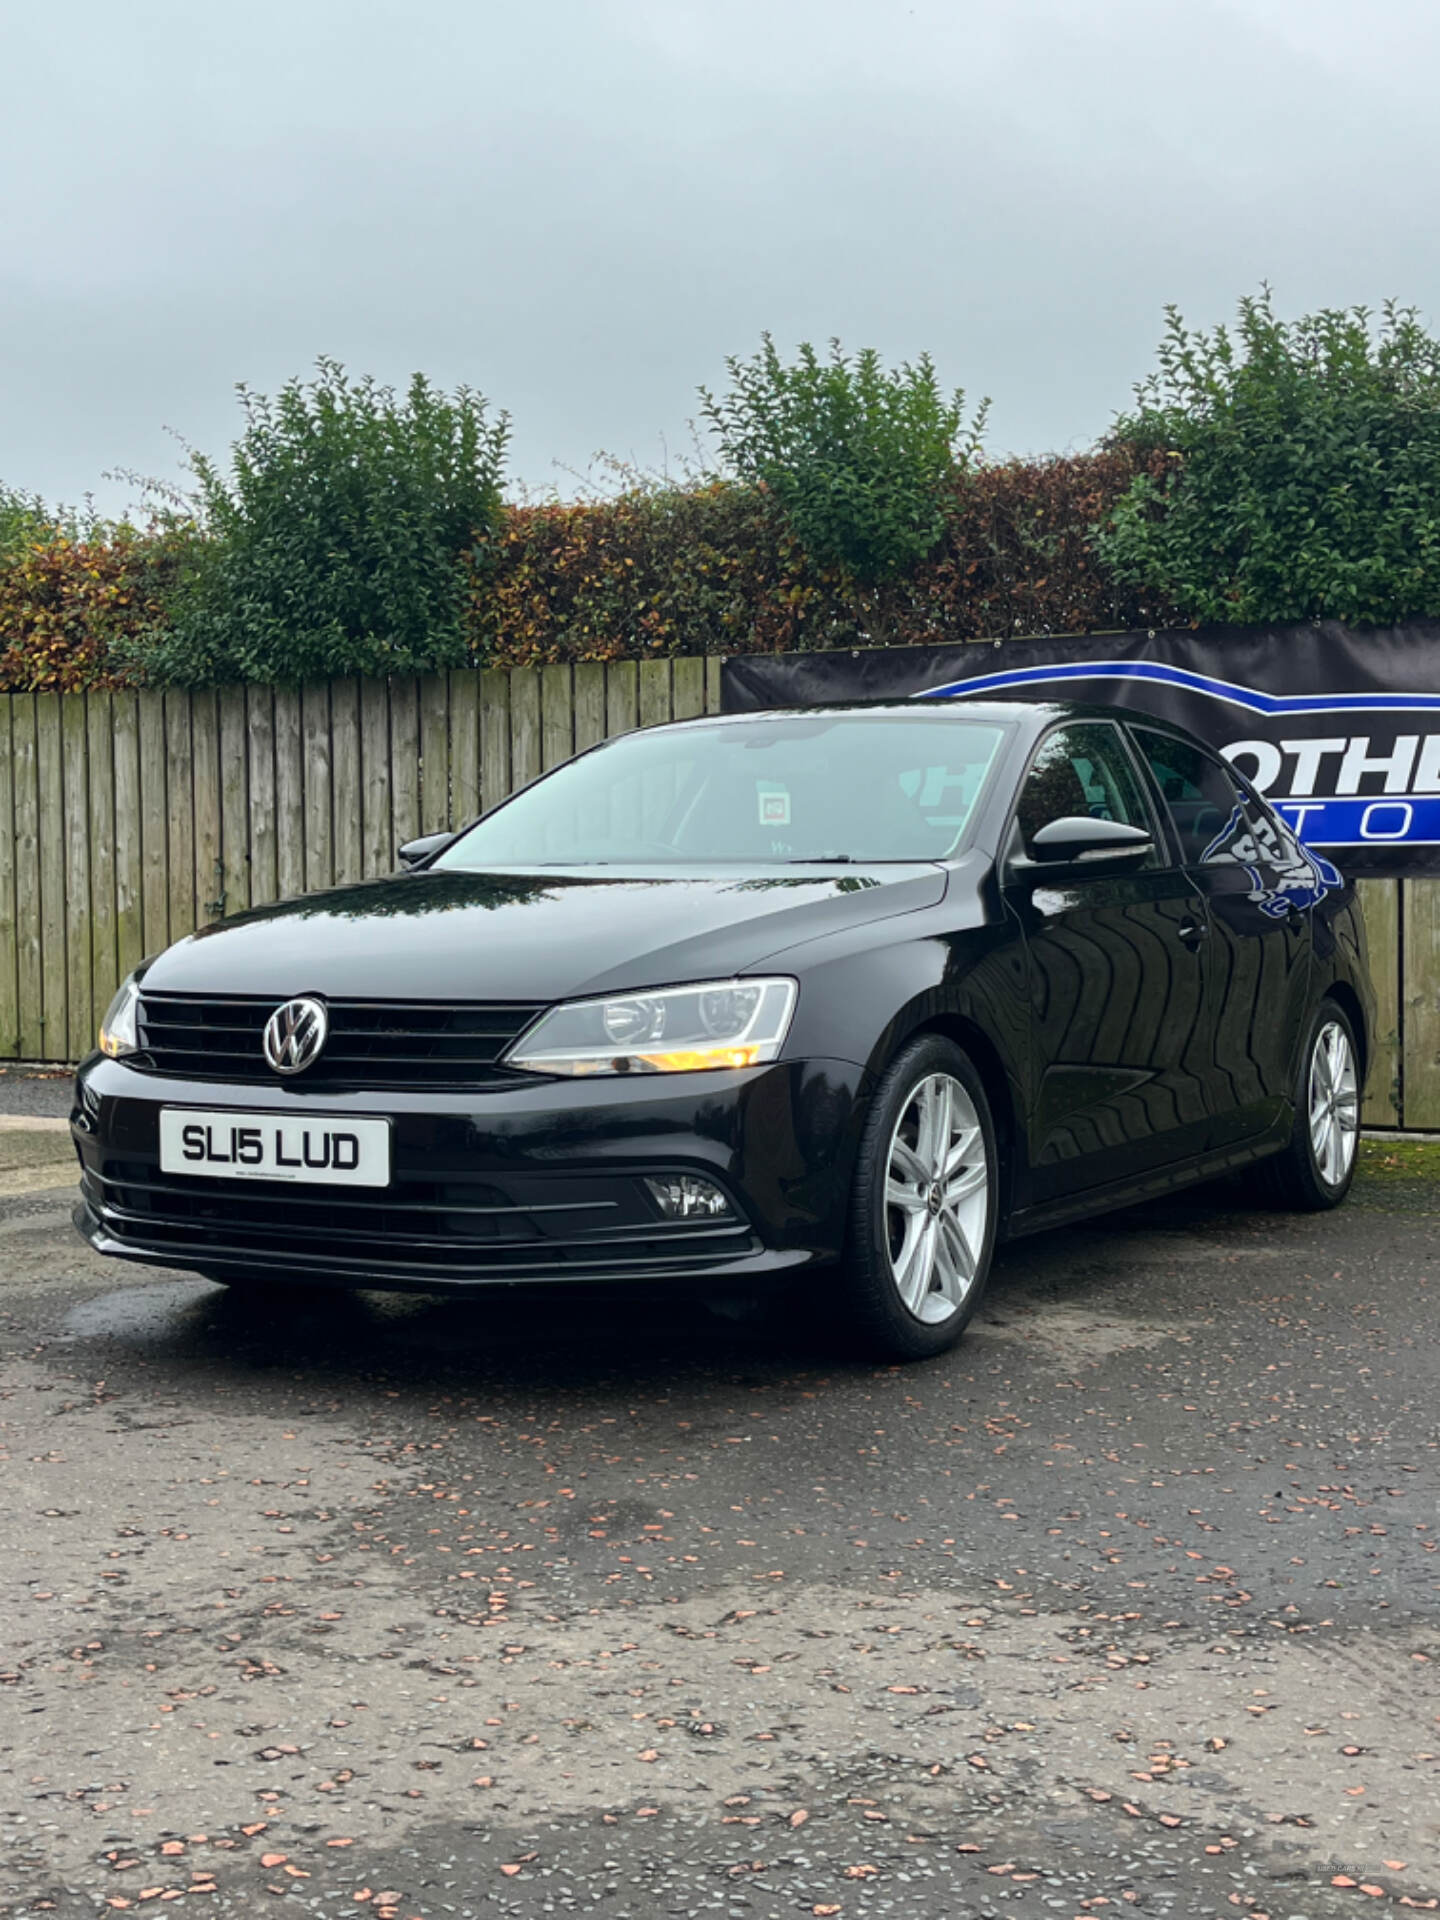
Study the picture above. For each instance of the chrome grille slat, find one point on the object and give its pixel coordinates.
(390, 1043)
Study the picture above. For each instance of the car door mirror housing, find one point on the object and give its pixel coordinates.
(1078, 841)
(415, 853)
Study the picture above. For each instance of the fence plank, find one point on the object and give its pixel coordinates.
(53, 977)
(1420, 1071)
(557, 716)
(79, 986)
(130, 948)
(346, 786)
(100, 829)
(1380, 904)
(180, 813)
(209, 860)
(433, 691)
(9, 917)
(289, 794)
(713, 701)
(154, 856)
(377, 826)
(687, 679)
(317, 781)
(234, 800)
(28, 946)
(494, 738)
(654, 692)
(260, 727)
(464, 746)
(622, 697)
(589, 704)
(404, 763)
(526, 762)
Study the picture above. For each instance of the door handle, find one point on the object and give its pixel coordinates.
(1192, 932)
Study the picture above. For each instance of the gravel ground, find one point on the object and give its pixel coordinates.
(422, 1608)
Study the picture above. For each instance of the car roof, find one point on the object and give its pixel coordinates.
(1004, 707)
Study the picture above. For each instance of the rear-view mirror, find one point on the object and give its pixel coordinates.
(415, 853)
(1077, 840)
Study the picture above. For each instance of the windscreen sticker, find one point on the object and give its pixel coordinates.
(773, 803)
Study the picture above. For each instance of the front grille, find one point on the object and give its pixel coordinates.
(372, 1043)
(420, 1228)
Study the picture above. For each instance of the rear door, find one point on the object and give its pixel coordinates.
(1257, 977)
(1115, 980)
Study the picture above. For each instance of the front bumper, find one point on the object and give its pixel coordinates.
(537, 1183)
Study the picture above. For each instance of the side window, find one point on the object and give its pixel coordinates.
(1216, 821)
(1085, 770)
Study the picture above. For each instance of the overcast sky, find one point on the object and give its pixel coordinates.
(582, 206)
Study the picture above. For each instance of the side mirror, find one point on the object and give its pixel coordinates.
(1078, 841)
(415, 853)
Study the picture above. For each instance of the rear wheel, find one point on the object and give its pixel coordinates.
(1316, 1168)
(923, 1207)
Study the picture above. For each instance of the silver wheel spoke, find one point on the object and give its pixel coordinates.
(908, 1198)
(934, 1136)
(956, 1257)
(905, 1162)
(965, 1184)
(963, 1148)
(918, 1265)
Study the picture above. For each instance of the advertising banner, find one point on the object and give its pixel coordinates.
(1339, 729)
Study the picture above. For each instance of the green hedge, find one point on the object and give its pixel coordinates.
(1279, 472)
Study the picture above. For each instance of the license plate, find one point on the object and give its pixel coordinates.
(320, 1149)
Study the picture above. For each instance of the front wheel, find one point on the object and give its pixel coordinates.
(1315, 1169)
(924, 1205)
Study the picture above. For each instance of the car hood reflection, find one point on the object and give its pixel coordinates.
(539, 935)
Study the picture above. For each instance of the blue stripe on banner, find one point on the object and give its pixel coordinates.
(1270, 703)
(1369, 820)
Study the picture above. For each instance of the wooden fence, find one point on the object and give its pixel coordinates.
(129, 819)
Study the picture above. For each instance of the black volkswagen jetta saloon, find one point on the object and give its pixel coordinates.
(840, 994)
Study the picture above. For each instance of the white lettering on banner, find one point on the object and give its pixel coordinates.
(1267, 757)
(1395, 765)
(1401, 808)
(1308, 755)
(1297, 815)
(1427, 774)
(1412, 765)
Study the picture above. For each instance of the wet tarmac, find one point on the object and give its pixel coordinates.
(539, 1605)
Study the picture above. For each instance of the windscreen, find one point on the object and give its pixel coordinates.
(845, 787)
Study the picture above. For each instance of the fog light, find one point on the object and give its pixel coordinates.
(684, 1196)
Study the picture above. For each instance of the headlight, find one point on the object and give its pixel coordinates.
(119, 1034)
(721, 1023)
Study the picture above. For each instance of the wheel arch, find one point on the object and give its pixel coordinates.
(1346, 998)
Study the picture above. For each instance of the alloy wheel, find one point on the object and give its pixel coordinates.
(937, 1198)
(1334, 1103)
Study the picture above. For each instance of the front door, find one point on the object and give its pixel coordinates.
(1115, 981)
(1258, 961)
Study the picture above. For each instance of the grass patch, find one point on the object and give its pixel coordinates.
(1405, 1172)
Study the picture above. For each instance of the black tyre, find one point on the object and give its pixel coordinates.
(1316, 1167)
(923, 1207)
